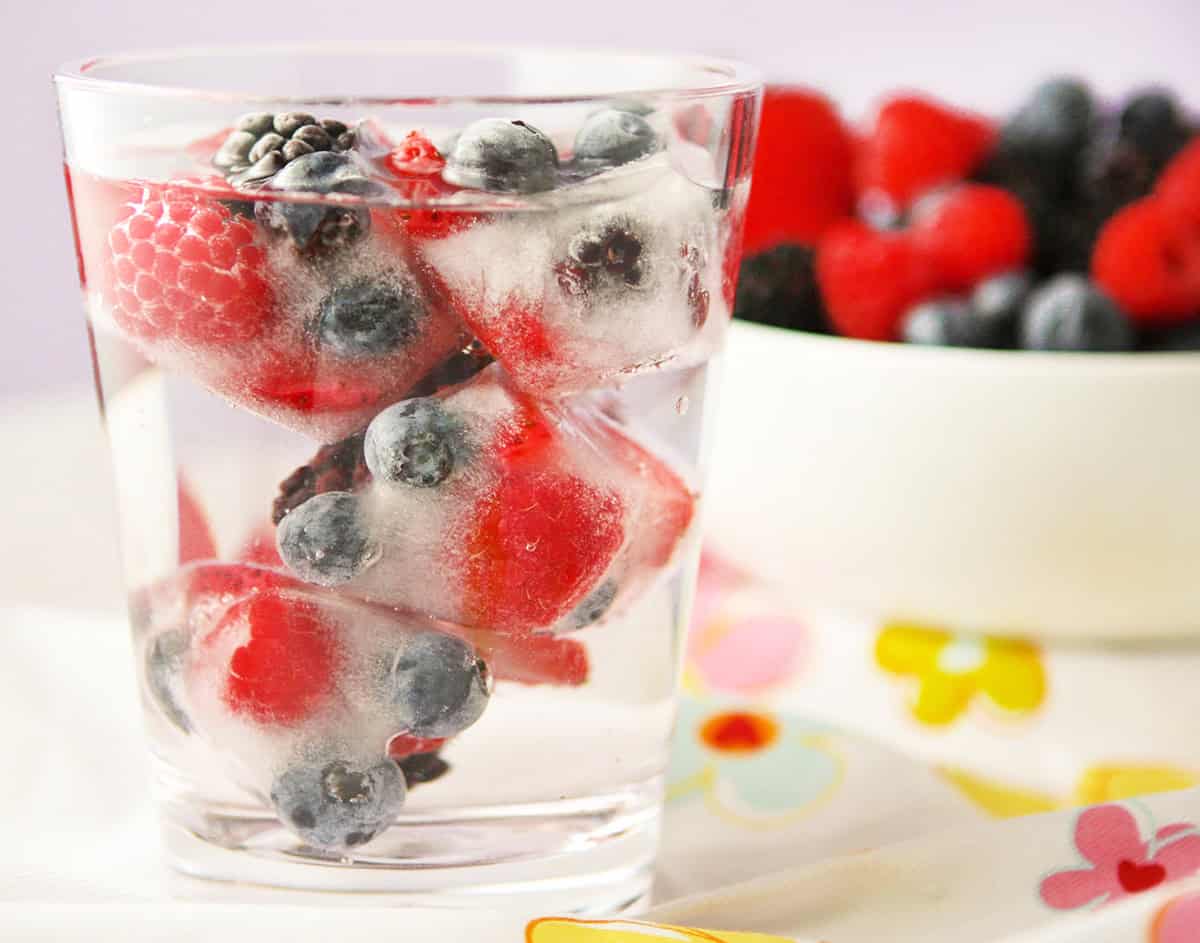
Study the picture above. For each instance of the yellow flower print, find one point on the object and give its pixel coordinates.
(1113, 782)
(567, 930)
(950, 670)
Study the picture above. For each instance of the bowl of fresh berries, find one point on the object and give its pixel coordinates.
(977, 339)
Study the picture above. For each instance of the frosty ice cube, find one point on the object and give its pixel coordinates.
(488, 510)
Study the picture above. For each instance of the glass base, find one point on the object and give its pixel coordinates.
(592, 857)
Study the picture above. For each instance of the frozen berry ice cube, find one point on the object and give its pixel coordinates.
(488, 510)
(616, 275)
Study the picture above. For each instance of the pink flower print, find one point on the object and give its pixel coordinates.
(1119, 861)
(1178, 921)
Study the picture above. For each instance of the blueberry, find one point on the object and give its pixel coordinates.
(1070, 313)
(325, 539)
(163, 666)
(593, 607)
(316, 226)
(613, 254)
(339, 805)
(367, 317)
(613, 137)
(943, 322)
(1152, 123)
(778, 287)
(502, 156)
(416, 442)
(436, 685)
(1054, 124)
(996, 305)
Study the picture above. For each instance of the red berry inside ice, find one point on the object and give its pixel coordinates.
(917, 144)
(541, 542)
(869, 279)
(802, 170)
(186, 267)
(1147, 259)
(285, 669)
(974, 232)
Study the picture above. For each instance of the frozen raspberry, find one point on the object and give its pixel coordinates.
(976, 231)
(186, 267)
(1147, 260)
(285, 669)
(416, 155)
(416, 165)
(536, 515)
(869, 279)
(916, 145)
(802, 170)
(404, 745)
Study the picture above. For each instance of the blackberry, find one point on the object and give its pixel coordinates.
(337, 467)
(261, 144)
(778, 288)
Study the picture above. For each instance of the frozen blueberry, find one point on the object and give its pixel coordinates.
(436, 685)
(613, 137)
(366, 317)
(593, 607)
(1054, 124)
(339, 805)
(163, 667)
(943, 322)
(319, 226)
(502, 156)
(1070, 313)
(325, 539)
(416, 442)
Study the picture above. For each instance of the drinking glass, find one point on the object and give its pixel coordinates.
(405, 357)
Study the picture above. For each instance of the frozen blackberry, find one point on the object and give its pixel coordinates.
(261, 144)
(337, 467)
(423, 768)
(778, 288)
(315, 227)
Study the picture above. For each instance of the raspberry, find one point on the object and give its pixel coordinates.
(232, 581)
(1147, 259)
(534, 659)
(537, 517)
(869, 279)
(417, 166)
(1179, 185)
(301, 385)
(802, 170)
(976, 231)
(917, 144)
(185, 266)
(404, 745)
(415, 156)
(285, 669)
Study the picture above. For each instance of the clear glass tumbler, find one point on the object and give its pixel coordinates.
(404, 353)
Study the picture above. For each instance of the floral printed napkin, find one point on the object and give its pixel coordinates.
(850, 780)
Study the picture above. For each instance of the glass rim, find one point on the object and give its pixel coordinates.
(730, 77)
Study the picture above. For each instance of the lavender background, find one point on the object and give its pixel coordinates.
(982, 53)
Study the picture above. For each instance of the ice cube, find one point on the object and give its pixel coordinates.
(617, 274)
(488, 510)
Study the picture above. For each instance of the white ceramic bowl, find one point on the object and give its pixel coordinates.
(1049, 495)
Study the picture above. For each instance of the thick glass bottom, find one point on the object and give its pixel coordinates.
(586, 856)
